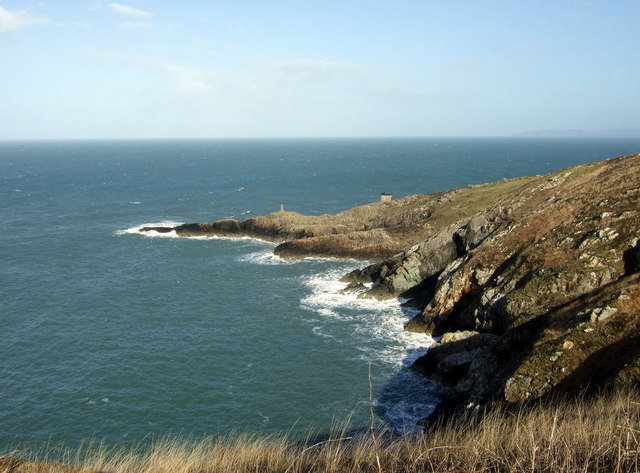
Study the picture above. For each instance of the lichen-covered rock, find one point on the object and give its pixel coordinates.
(457, 336)
(556, 281)
(600, 313)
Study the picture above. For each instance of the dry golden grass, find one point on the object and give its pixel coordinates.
(580, 435)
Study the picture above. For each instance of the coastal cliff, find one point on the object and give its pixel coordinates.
(538, 293)
(533, 283)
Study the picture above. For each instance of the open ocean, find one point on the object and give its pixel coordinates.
(118, 337)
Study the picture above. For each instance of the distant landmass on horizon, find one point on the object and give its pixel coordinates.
(567, 133)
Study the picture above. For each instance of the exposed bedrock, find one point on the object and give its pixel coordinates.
(405, 273)
(550, 296)
(537, 293)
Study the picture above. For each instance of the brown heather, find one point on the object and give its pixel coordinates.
(581, 435)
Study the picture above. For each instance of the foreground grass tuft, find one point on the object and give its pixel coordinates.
(577, 435)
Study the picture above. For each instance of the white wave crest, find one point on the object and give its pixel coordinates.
(268, 257)
(228, 238)
(264, 257)
(377, 325)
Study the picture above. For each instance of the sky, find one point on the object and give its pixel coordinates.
(349, 68)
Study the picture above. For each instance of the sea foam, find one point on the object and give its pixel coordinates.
(382, 321)
(172, 234)
(377, 332)
(374, 328)
(268, 257)
(264, 257)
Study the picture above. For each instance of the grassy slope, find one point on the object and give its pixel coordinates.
(380, 230)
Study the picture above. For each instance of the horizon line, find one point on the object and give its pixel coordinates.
(523, 135)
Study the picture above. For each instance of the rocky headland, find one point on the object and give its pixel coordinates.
(533, 284)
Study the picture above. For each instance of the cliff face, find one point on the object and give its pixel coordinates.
(537, 293)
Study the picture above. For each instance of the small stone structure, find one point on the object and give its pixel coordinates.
(384, 197)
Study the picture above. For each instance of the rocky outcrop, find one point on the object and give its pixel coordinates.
(546, 282)
(406, 273)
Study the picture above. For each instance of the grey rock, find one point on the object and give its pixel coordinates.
(600, 314)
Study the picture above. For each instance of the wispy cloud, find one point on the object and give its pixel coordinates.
(14, 21)
(187, 80)
(128, 11)
(284, 88)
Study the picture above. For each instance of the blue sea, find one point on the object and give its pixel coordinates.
(113, 336)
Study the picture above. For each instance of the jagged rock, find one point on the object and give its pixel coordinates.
(455, 344)
(537, 277)
(455, 366)
(416, 325)
(478, 381)
(354, 288)
(456, 336)
(157, 229)
(407, 271)
(518, 388)
(417, 264)
(600, 314)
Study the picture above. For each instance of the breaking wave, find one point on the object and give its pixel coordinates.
(265, 257)
(376, 329)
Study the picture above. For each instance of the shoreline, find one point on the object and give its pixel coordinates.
(525, 279)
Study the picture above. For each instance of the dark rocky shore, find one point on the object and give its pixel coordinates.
(533, 284)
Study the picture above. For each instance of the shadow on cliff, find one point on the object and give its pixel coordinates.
(602, 367)
(485, 367)
(605, 354)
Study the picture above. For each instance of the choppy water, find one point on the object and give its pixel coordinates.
(115, 336)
